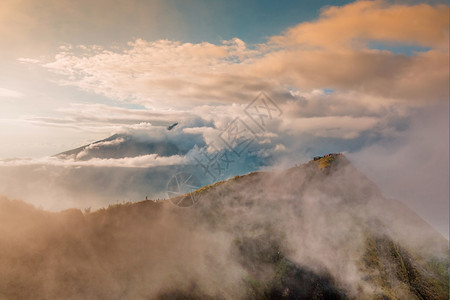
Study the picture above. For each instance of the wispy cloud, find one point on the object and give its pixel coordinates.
(143, 161)
(7, 93)
(25, 60)
(108, 118)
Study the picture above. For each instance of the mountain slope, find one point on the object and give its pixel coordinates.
(123, 145)
(307, 232)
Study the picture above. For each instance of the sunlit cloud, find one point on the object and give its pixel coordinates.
(330, 52)
(356, 24)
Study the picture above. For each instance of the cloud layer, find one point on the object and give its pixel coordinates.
(336, 51)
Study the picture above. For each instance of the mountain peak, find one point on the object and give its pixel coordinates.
(124, 145)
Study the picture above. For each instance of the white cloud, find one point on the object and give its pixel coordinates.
(280, 148)
(157, 73)
(26, 60)
(98, 145)
(143, 161)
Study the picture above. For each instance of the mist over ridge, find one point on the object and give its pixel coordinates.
(251, 237)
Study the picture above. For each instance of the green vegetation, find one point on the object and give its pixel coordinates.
(325, 162)
(399, 276)
(273, 276)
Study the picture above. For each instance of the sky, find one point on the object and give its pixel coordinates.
(367, 78)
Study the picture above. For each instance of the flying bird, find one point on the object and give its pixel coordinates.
(172, 126)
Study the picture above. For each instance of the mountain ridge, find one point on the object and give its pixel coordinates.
(303, 232)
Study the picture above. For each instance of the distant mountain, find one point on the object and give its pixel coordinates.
(321, 230)
(124, 145)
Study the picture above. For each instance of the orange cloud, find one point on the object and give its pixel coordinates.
(331, 52)
(421, 77)
(355, 24)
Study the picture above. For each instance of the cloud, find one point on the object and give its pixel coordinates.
(331, 52)
(6, 93)
(333, 126)
(109, 118)
(143, 161)
(337, 115)
(98, 145)
(413, 167)
(28, 60)
(157, 73)
(355, 24)
(383, 74)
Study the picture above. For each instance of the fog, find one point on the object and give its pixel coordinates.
(318, 220)
(413, 167)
